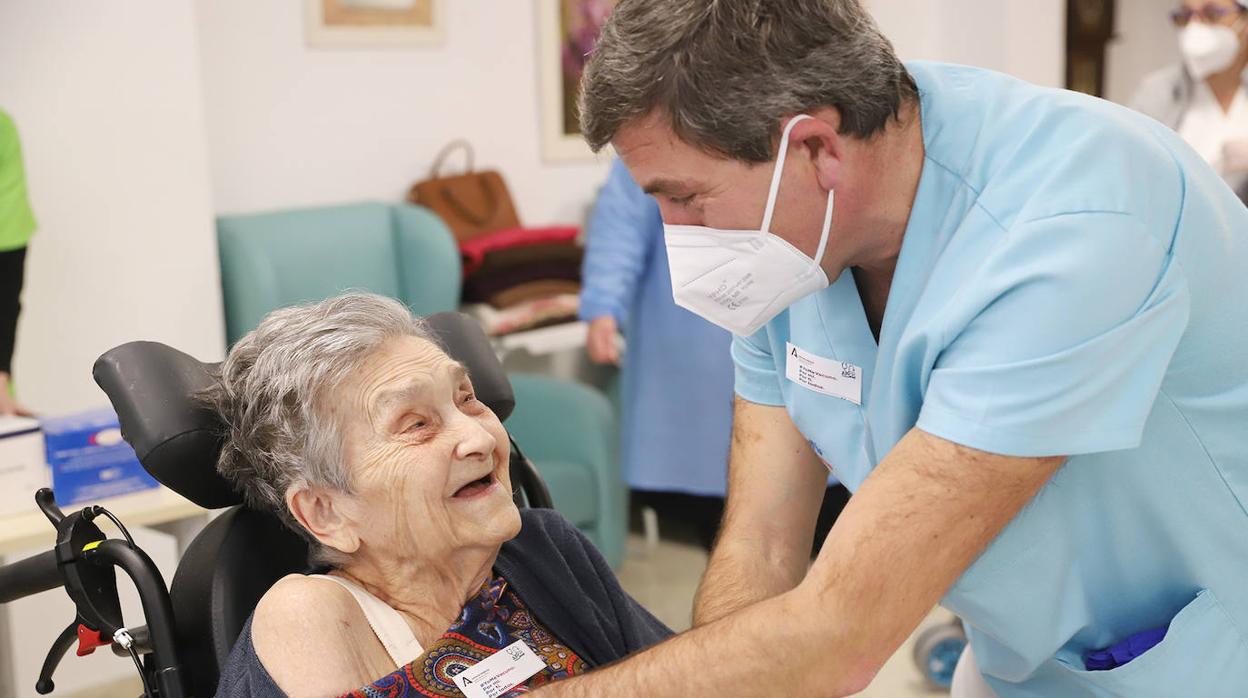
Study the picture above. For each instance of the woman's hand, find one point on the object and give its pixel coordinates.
(601, 343)
(9, 406)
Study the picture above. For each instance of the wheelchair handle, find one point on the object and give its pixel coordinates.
(30, 576)
(38, 573)
(83, 562)
(154, 598)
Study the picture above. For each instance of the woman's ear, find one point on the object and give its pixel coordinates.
(321, 513)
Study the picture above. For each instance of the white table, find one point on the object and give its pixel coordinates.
(158, 508)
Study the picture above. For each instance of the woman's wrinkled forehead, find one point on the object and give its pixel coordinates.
(404, 369)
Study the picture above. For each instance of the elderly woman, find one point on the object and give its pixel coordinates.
(347, 421)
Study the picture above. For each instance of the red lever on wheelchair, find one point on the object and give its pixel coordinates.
(89, 640)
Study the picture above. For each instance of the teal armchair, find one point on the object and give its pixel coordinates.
(562, 427)
(273, 260)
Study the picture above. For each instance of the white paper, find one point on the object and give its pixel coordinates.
(500, 672)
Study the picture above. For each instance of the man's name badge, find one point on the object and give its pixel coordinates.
(839, 379)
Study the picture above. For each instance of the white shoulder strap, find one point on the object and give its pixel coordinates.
(387, 624)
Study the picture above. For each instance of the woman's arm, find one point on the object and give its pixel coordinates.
(314, 640)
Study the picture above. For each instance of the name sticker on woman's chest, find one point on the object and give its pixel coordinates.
(500, 672)
(839, 379)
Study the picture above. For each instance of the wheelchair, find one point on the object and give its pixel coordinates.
(190, 626)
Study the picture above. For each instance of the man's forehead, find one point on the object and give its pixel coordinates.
(658, 160)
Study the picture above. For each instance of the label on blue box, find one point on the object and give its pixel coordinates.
(90, 460)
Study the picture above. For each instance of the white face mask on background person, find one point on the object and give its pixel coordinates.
(1208, 48)
(741, 279)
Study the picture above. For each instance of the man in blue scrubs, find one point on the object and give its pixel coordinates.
(1013, 320)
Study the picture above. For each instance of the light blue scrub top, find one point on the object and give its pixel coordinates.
(676, 390)
(1073, 281)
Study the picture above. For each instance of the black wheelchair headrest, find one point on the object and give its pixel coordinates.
(177, 439)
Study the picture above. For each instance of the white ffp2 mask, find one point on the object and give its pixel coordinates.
(741, 279)
(1208, 48)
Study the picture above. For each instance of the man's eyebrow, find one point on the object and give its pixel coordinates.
(669, 187)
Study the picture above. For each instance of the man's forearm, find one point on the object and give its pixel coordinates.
(889, 559)
(743, 571)
(757, 651)
(775, 488)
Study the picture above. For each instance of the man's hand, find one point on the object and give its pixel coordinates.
(601, 343)
(775, 487)
(9, 406)
(918, 521)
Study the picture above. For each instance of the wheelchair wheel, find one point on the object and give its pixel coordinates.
(936, 653)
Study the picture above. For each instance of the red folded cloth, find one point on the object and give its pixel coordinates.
(474, 250)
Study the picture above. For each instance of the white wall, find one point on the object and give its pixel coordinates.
(292, 126)
(1145, 41)
(106, 97)
(1025, 38)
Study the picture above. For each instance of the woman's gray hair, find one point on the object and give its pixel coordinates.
(273, 396)
(725, 72)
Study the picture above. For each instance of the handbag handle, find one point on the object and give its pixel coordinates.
(458, 144)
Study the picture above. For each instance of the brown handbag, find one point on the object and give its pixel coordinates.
(473, 203)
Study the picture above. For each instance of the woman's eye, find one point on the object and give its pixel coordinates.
(681, 200)
(415, 425)
(468, 398)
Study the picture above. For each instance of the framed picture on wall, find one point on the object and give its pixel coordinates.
(567, 32)
(373, 23)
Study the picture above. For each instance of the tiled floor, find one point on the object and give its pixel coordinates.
(665, 578)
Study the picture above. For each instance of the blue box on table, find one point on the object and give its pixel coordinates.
(89, 459)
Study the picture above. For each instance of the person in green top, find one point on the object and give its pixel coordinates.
(17, 224)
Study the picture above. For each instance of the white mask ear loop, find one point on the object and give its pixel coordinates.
(775, 189)
(827, 225)
(775, 176)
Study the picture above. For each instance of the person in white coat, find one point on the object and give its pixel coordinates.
(1204, 97)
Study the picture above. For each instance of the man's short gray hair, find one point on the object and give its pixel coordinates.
(273, 393)
(725, 72)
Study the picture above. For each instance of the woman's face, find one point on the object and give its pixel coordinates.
(1230, 7)
(428, 461)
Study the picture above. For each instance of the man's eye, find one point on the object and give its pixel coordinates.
(681, 200)
(468, 398)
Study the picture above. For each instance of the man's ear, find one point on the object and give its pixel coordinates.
(322, 513)
(823, 143)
